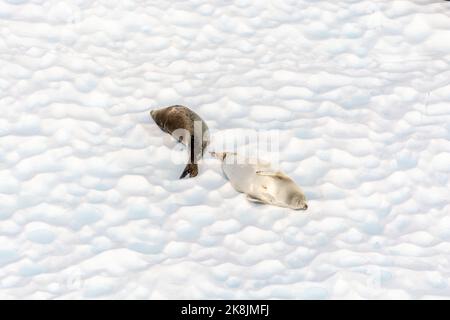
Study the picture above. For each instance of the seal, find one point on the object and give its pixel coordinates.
(260, 182)
(186, 127)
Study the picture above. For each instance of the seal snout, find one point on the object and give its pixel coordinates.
(153, 114)
(300, 206)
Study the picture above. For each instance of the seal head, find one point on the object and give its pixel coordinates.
(280, 190)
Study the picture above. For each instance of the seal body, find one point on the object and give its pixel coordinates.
(260, 182)
(186, 127)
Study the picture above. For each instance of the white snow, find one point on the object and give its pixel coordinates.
(90, 202)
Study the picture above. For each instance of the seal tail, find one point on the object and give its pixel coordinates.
(191, 168)
(221, 155)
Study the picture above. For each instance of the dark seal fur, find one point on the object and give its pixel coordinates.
(186, 127)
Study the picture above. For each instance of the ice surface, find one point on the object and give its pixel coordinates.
(90, 203)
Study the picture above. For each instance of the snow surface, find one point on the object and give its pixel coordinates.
(90, 203)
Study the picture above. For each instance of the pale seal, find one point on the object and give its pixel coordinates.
(260, 182)
(186, 127)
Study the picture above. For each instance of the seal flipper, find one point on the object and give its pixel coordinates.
(221, 155)
(263, 198)
(252, 198)
(268, 173)
(191, 169)
(278, 175)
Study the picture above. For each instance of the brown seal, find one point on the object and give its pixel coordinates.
(186, 127)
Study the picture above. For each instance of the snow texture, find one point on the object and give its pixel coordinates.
(90, 201)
